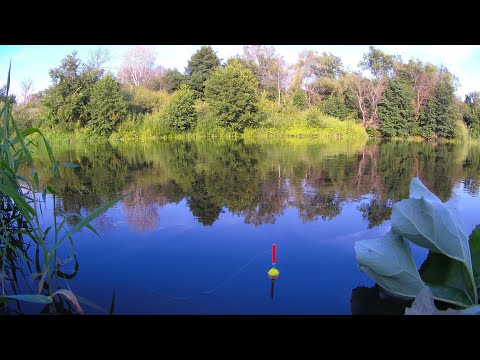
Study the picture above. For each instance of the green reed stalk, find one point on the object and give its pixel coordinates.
(15, 153)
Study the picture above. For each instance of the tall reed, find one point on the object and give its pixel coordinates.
(22, 201)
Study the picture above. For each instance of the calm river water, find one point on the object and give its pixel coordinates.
(194, 234)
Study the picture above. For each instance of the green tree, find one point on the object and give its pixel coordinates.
(67, 99)
(428, 122)
(422, 77)
(396, 111)
(471, 114)
(328, 65)
(199, 68)
(232, 93)
(379, 63)
(166, 80)
(180, 113)
(440, 113)
(107, 106)
(173, 79)
(334, 105)
(317, 75)
(299, 100)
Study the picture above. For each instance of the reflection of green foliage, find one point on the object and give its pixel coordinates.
(471, 167)
(439, 166)
(259, 180)
(231, 178)
(201, 203)
(326, 206)
(443, 168)
(173, 192)
(376, 211)
(397, 163)
(376, 301)
(101, 176)
(11, 223)
(181, 162)
(272, 200)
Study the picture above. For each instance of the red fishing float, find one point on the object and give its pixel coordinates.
(273, 272)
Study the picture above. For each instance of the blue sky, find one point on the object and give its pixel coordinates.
(34, 61)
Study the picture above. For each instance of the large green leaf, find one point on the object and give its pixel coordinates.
(388, 260)
(448, 279)
(418, 190)
(432, 224)
(474, 242)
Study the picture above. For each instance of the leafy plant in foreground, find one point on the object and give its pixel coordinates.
(452, 268)
(21, 199)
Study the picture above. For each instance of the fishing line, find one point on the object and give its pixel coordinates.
(208, 292)
(231, 277)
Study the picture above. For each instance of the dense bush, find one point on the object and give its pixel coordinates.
(460, 131)
(232, 95)
(106, 106)
(180, 113)
(335, 106)
(143, 100)
(299, 100)
(315, 118)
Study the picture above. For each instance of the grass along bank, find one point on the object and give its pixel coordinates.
(311, 123)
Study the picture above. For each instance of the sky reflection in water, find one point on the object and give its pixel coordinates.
(194, 236)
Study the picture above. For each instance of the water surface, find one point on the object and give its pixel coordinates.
(194, 234)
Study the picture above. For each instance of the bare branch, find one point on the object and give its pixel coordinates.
(26, 86)
(138, 67)
(98, 58)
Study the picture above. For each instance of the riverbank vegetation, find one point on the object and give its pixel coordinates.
(253, 95)
(34, 255)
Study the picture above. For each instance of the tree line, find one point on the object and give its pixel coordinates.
(385, 96)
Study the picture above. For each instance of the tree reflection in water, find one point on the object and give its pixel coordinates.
(258, 181)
